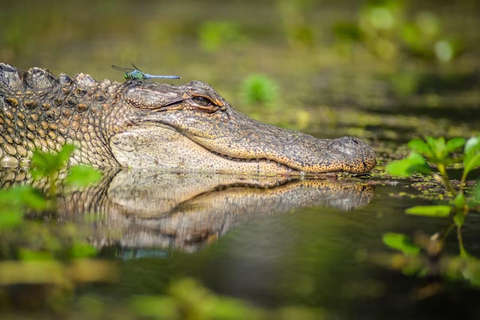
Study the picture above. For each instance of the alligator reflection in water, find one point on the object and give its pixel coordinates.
(140, 209)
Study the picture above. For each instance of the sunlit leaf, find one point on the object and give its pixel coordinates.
(405, 167)
(455, 143)
(399, 241)
(439, 211)
(439, 149)
(82, 176)
(472, 145)
(65, 153)
(39, 159)
(82, 250)
(459, 200)
(472, 155)
(23, 195)
(419, 146)
(45, 164)
(30, 196)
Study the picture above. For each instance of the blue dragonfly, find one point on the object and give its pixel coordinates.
(135, 74)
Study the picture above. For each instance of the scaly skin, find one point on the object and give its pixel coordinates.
(150, 124)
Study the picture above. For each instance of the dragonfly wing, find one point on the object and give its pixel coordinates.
(122, 69)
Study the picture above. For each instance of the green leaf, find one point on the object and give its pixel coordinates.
(31, 197)
(455, 143)
(65, 153)
(29, 255)
(472, 155)
(459, 201)
(439, 211)
(476, 191)
(401, 242)
(82, 250)
(10, 218)
(459, 218)
(45, 164)
(438, 148)
(82, 176)
(472, 145)
(419, 146)
(23, 195)
(405, 167)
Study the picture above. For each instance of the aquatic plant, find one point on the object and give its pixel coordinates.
(440, 153)
(259, 89)
(36, 251)
(422, 255)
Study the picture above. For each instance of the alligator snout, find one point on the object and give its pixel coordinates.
(352, 154)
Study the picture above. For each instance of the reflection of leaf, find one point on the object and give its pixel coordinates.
(430, 211)
(399, 241)
(82, 176)
(405, 167)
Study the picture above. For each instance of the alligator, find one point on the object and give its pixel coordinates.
(155, 125)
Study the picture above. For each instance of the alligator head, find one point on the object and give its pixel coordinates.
(150, 124)
(192, 126)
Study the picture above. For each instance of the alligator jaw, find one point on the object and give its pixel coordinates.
(139, 147)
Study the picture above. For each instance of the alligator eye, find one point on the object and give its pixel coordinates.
(203, 101)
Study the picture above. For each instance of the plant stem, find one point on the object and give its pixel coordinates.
(446, 179)
(463, 252)
(53, 191)
(447, 231)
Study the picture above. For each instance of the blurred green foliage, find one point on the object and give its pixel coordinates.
(386, 28)
(298, 30)
(37, 252)
(260, 90)
(215, 35)
(423, 257)
(188, 299)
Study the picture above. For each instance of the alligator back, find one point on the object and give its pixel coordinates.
(39, 110)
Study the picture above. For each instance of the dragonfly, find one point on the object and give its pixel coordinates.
(135, 74)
